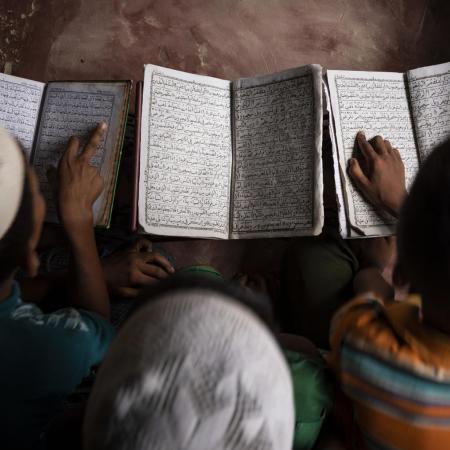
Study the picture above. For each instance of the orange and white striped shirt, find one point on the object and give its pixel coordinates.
(396, 371)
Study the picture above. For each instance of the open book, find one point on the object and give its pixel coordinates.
(42, 117)
(231, 159)
(412, 110)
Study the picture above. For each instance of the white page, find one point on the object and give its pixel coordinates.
(429, 93)
(376, 103)
(186, 157)
(277, 182)
(20, 101)
(75, 109)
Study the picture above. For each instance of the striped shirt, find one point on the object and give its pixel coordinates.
(396, 371)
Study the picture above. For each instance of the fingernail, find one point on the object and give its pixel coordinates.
(172, 270)
(103, 126)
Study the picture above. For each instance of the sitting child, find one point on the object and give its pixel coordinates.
(45, 356)
(393, 358)
(197, 367)
(191, 295)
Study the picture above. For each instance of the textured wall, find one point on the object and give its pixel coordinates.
(61, 39)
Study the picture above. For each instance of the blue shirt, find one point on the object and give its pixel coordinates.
(43, 357)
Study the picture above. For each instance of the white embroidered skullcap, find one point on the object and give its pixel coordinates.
(12, 173)
(193, 370)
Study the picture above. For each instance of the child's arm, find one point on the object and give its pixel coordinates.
(371, 280)
(126, 273)
(376, 257)
(79, 185)
(383, 185)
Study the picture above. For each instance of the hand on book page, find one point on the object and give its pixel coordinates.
(383, 181)
(79, 183)
(128, 271)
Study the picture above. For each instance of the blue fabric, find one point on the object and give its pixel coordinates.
(398, 383)
(388, 376)
(43, 358)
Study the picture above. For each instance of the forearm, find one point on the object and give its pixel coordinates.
(88, 287)
(371, 280)
(79, 185)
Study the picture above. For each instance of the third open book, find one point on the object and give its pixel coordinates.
(412, 110)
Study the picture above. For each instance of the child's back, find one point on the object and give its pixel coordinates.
(393, 358)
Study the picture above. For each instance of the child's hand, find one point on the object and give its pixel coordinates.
(384, 184)
(128, 271)
(79, 183)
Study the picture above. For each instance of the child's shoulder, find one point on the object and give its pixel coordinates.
(59, 331)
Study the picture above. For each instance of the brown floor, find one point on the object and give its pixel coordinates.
(112, 39)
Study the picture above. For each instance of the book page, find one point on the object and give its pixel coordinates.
(75, 109)
(429, 93)
(277, 178)
(185, 167)
(20, 101)
(376, 103)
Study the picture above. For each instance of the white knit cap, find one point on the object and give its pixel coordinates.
(12, 173)
(192, 370)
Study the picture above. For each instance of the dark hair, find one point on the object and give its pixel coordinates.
(13, 245)
(423, 237)
(257, 303)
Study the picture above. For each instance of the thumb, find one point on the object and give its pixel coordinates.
(357, 174)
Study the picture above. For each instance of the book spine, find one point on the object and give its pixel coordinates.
(137, 155)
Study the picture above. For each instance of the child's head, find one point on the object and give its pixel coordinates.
(22, 211)
(195, 366)
(424, 231)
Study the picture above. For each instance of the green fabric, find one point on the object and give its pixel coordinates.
(318, 278)
(43, 358)
(313, 397)
(207, 271)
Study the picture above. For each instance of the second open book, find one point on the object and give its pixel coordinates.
(231, 159)
(243, 159)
